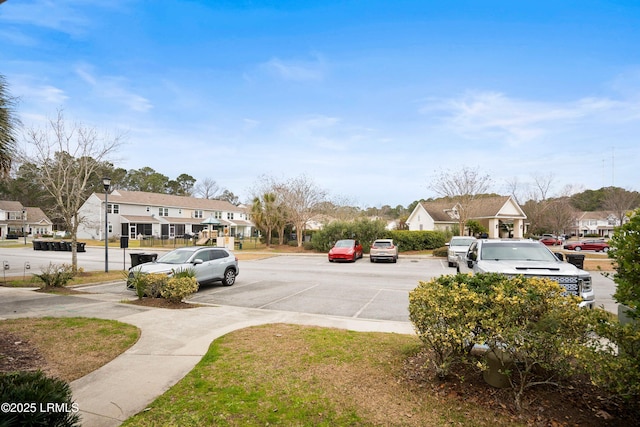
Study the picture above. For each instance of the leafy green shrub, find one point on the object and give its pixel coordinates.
(55, 275)
(44, 401)
(417, 240)
(366, 231)
(445, 312)
(613, 362)
(441, 252)
(539, 328)
(178, 288)
(624, 250)
(528, 319)
(151, 284)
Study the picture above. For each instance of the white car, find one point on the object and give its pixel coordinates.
(211, 264)
(458, 246)
(529, 258)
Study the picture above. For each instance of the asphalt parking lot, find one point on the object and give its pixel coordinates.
(297, 283)
(311, 284)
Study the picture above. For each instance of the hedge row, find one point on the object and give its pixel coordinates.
(366, 231)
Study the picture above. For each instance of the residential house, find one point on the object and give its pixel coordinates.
(599, 223)
(16, 220)
(501, 216)
(138, 214)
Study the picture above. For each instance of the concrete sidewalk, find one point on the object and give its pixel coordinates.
(171, 343)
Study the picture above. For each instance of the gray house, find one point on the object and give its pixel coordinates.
(138, 214)
(17, 220)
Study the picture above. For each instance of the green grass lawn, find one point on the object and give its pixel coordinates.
(307, 376)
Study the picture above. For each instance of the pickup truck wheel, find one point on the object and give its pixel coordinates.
(229, 277)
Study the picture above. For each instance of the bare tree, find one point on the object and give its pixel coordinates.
(207, 189)
(302, 198)
(463, 187)
(620, 202)
(560, 216)
(68, 159)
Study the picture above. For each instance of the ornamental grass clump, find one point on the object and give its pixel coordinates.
(55, 275)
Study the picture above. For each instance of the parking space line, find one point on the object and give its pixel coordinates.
(359, 312)
(289, 296)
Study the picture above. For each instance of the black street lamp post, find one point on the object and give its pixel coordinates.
(24, 225)
(106, 182)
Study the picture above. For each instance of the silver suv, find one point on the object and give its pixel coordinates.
(211, 264)
(457, 248)
(383, 249)
(514, 257)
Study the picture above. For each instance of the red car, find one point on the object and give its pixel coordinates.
(550, 241)
(346, 250)
(588, 245)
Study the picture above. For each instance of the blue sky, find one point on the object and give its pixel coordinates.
(370, 99)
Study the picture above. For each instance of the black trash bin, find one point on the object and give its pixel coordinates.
(141, 258)
(576, 259)
(80, 247)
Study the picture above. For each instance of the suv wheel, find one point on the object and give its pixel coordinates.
(229, 277)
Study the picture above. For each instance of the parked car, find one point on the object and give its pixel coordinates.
(588, 245)
(383, 249)
(550, 241)
(211, 264)
(346, 250)
(458, 246)
(529, 258)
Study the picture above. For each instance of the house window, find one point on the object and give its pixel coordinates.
(148, 208)
(110, 228)
(197, 214)
(217, 215)
(114, 209)
(229, 215)
(163, 211)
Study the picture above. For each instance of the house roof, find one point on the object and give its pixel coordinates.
(168, 200)
(439, 211)
(37, 216)
(486, 207)
(10, 206)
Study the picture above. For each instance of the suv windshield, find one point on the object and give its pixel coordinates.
(516, 251)
(176, 257)
(461, 241)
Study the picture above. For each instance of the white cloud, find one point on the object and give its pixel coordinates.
(295, 70)
(113, 88)
(494, 116)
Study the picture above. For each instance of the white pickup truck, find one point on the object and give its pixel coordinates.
(514, 257)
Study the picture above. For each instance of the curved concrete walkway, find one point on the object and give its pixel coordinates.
(170, 345)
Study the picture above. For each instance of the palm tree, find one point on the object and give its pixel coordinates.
(8, 125)
(263, 211)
